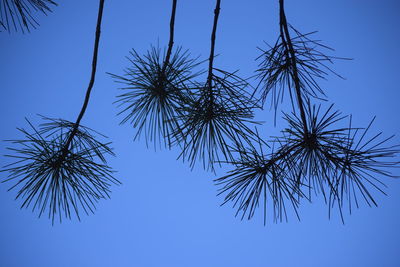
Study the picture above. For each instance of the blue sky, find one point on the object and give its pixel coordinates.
(164, 214)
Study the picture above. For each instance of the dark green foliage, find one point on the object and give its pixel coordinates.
(341, 163)
(20, 14)
(216, 119)
(360, 163)
(155, 93)
(56, 179)
(275, 70)
(256, 179)
(342, 160)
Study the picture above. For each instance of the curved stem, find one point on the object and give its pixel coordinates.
(285, 36)
(171, 34)
(92, 78)
(213, 34)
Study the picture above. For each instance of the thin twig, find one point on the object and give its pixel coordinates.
(286, 35)
(213, 34)
(171, 34)
(92, 78)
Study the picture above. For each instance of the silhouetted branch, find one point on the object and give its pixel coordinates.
(158, 85)
(50, 180)
(293, 63)
(57, 165)
(337, 162)
(92, 76)
(155, 92)
(211, 127)
(213, 36)
(274, 70)
(217, 117)
(287, 42)
(258, 177)
(361, 163)
(171, 33)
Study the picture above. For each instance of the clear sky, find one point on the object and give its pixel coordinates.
(164, 214)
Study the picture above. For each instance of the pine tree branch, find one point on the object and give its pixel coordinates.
(171, 34)
(92, 78)
(213, 36)
(285, 36)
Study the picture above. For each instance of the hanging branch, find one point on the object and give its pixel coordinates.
(157, 87)
(294, 63)
(213, 35)
(217, 117)
(171, 34)
(314, 155)
(61, 166)
(92, 78)
(285, 36)
(340, 163)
